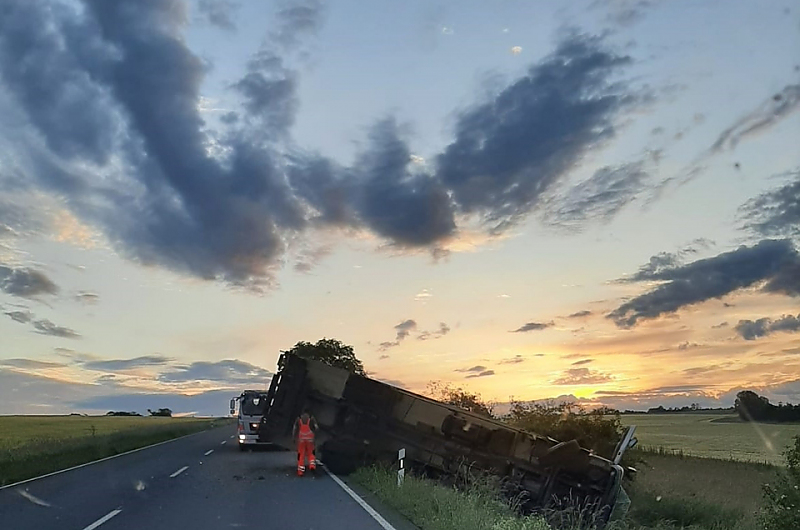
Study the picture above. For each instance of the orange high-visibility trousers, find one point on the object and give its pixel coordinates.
(305, 450)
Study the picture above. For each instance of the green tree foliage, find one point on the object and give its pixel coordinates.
(331, 352)
(460, 397)
(752, 407)
(160, 412)
(599, 430)
(782, 499)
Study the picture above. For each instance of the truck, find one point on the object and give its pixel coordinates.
(252, 405)
(364, 421)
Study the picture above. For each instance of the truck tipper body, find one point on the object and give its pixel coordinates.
(362, 420)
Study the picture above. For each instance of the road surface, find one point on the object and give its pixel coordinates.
(200, 482)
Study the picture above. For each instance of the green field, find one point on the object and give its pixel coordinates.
(35, 445)
(713, 436)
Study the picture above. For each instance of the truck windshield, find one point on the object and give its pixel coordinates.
(253, 404)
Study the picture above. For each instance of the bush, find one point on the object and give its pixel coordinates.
(598, 430)
(782, 499)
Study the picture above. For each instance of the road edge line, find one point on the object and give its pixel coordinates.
(361, 502)
(98, 461)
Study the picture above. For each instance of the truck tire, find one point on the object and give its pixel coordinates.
(338, 460)
(242, 447)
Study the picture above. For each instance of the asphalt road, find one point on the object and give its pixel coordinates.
(219, 488)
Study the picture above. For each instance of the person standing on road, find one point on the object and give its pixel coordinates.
(303, 435)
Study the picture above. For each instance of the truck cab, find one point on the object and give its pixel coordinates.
(252, 405)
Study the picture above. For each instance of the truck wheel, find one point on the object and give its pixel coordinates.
(242, 447)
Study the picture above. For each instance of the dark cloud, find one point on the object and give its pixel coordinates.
(408, 207)
(297, 20)
(29, 364)
(443, 330)
(753, 329)
(25, 282)
(511, 149)
(476, 369)
(625, 12)
(484, 373)
(580, 314)
(533, 326)
(383, 346)
(776, 212)
(768, 114)
(229, 371)
(87, 298)
(404, 328)
(720, 325)
(45, 327)
(772, 264)
(119, 365)
(599, 198)
(582, 362)
(23, 317)
(219, 13)
(383, 357)
(513, 360)
(112, 125)
(582, 376)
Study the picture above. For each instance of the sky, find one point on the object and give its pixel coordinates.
(594, 200)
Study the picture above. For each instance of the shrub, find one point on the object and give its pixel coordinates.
(782, 499)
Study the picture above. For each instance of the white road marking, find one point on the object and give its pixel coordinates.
(103, 519)
(33, 499)
(369, 509)
(223, 442)
(178, 472)
(231, 437)
(95, 462)
(208, 452)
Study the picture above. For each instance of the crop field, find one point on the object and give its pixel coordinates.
(713, 436)
(34, 445)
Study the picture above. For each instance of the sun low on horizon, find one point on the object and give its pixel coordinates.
(593, 201)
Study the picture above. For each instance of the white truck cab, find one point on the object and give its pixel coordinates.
(252, 404)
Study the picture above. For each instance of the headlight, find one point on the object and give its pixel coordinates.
(242, 437)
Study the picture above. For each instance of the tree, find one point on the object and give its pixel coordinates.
(781, 509)
(331, 352)
(160, 412)
(459, 397)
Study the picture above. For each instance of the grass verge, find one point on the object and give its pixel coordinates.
(41, 455)
(431, 506)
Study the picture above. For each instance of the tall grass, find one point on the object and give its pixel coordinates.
(41, 455)
(432, 506)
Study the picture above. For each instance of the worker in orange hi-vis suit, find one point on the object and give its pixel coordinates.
(303, 434)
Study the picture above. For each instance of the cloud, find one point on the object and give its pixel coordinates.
(582, 362)
(45, 327)
(119, 365)
(25, 282)
(308, 259)
(580, 314)
(533, 326)
(404, 328)
(42, 326)
(509, 150)
(599, 198)
(776, 212)
(477, 369)
(87, 298)
(767, 115)
(513, 360)
(485, 373)
(219, 12)
(582, 376)
(423, 295)
(774, 265)
(228, 371)
(111, 123)
(625, 12)
(720, 325)
(383, 346)
(23, 317)
(29, 364)
(753, 329)
(383, 357)
(443, 330)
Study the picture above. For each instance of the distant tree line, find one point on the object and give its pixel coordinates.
(752, 407)
(694, 407)
(121, 413)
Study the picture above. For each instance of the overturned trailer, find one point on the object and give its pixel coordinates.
(362, 421)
